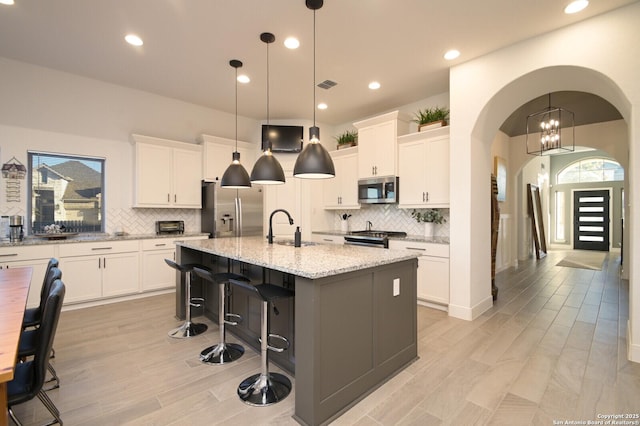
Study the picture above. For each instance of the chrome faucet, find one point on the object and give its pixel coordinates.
(369, 225)
(270, 235)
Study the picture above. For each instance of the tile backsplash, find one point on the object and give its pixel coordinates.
(387, 217)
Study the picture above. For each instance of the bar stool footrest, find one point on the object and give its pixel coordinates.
(276, 348)
(237, 319)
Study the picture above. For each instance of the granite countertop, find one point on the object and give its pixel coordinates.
(93, 237)
(313, 261)
(416, 238)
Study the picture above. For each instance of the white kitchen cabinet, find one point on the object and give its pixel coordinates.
(377, 144)
(327, 238)
(37, 257)
(217, 152)
(341, 192)
(95, 270)
(156, 274)
(167, 173)
(423, 168)
(433, 271)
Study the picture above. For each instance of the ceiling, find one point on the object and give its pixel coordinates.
(188, 45)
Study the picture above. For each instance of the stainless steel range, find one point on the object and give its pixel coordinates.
(372, 238)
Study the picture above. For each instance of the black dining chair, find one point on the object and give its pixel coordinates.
(28, 378)
(32, 315)
(27, 344)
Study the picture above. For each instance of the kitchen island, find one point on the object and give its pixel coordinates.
(353, 322)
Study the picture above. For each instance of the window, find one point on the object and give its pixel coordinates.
(560, 212)
(591, 170)
(65, 190)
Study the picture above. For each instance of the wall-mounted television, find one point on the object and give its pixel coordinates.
(283, 138)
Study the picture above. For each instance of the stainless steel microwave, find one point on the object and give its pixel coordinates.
(378, 190)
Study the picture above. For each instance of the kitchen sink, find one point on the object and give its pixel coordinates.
(291, 243)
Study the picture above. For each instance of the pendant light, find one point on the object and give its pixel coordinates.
(235, 177)
(550, 131)
(314, 162)
(267, 170)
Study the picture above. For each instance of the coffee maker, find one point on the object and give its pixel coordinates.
(16, 231)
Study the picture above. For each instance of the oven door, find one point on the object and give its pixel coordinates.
(366, 242)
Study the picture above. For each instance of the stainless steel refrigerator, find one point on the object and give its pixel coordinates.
(231, 212)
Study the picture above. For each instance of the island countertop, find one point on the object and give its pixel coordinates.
(312, 260)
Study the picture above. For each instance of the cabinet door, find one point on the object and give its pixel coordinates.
(385, 149)
(349, 181)
(82, 277)
(120, 274)
(216, 160)
(156, 274)
(187, 172)
(412, 167)
(437, 172)
(37, 277)
(433, 279)
(366, 151)
(332, 188)
(153, 175)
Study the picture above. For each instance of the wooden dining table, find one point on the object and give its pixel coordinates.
(14, 290)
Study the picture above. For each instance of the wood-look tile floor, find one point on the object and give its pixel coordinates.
(553, 347)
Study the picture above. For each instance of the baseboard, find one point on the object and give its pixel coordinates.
(471, 313)
(106, 301)
(432, 305)
(633, 349)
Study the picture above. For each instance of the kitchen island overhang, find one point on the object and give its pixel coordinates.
(355, 315)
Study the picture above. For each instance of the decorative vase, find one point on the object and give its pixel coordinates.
(344, 226)
(428, 229)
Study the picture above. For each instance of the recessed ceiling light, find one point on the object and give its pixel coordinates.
(133, 40)
(322, 105)
(374, 85)
(576, 6)
(451, 54)
(7, 2)
(292, 43)
(243, 78)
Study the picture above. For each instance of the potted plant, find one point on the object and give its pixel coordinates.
(429, 118)
(347, 138)
(430, 217)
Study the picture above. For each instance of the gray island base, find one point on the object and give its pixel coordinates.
(353, 323)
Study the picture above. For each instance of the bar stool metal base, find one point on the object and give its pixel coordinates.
(188, 329)
(222, 353)
(261, 390)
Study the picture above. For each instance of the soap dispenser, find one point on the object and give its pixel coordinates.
(297, 238)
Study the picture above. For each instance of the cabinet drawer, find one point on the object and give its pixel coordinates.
(98, 248)
(166, 243)
(425, 249)
(14, 253)
(327, 238)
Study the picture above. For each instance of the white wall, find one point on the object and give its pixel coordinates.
(483, 93)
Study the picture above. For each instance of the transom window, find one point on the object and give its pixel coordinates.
(67, 191)
(591, 170)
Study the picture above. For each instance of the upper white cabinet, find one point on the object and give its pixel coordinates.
(423, 162)
(167, 173)
(377, 144)
(217, 154)
(342, 191)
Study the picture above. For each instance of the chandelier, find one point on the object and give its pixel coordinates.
(550, 131)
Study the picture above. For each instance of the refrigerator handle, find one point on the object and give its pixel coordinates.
(238, 224)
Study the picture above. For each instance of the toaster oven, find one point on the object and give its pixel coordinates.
(169, 227)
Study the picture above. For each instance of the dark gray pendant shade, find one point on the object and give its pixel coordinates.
(235, 177)
(267, 170)
(314, 162)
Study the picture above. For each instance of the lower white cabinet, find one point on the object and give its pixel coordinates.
(99, 269)
(433, 271)
(156, 274)
(37, 257)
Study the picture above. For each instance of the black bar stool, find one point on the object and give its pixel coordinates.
(265, 388)
(188, 328)
(223, 352)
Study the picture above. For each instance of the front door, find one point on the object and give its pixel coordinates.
(591, 220)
